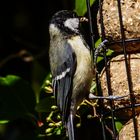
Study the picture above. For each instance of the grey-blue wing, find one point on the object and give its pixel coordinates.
(62, 72)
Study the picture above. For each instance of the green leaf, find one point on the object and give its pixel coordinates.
(80, 6)
(58, 132)
(3, 124)
(98, 42)
(93, 87)
(16, 97)
(118, 125)
(45, 104)
(4, 121)
(9, 80)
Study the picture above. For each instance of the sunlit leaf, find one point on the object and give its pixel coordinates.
(118, 125)
(93, 87)
(9, 80)
(4, 121)
(98, 42)
(80, 6)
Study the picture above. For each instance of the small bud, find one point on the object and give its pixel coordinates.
(51, 124)
(54, 107)
(78, 125)
(48, 89)
(47, 82)
(89, 116)
(48, 130)
(58, 117)
(50, 76)
(48, 119)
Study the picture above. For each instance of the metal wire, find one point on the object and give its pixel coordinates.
(96, 52)
(96, 68)
(107, 71)
(129, 78)
(132, 40)
(92, 43)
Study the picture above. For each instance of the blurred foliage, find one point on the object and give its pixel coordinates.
(80, 6)
(17, 100)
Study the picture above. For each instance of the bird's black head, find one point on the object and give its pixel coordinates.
(66, 22)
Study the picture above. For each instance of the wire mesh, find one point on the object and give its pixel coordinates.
(102, 48)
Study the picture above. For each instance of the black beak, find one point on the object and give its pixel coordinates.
(83, 19)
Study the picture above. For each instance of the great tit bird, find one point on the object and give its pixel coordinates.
(71, 65)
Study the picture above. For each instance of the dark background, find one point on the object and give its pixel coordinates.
(24, 26)
(24, 34)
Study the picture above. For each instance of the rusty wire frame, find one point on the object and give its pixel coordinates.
(123, 41)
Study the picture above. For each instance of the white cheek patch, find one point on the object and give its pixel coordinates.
(72, 23)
